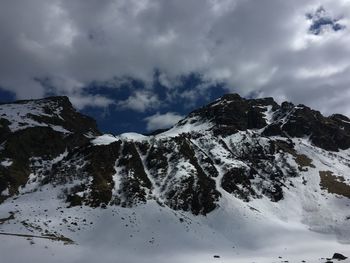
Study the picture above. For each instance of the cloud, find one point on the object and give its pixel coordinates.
(322, 22)
(140, 101)
(268, 48)
(162, 121)
(81, 101)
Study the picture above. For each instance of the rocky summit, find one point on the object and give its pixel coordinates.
(238, 162)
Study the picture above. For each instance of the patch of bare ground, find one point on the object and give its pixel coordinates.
(66, 240)
(302, 160)
(334, 184)
(10, 217)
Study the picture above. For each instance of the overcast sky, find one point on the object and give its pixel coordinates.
(138, 57)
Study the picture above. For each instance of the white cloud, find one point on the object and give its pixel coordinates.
(162, 121)
(140, 101)
(163, 80)
(255, 46)
(324, 72)
(81, 101)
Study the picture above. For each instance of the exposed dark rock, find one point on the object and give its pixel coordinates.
(330, 133)
(182, 170)
(102, 171)
(43, 141)
(68, 117)
(133, 176)
(232, 113)
(4, 129)
(157, 162)
(237, 181)
(302, 160)
(275, 192)
(339, 256)
(196, 193)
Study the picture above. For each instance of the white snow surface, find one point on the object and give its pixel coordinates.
(5, 192)
(104, 139)
(107, 139)
(188, 125)
(132, 136)
(308, 224)
(6, 162)
(237, 232)
(20, 115)
(177, 130)
(268, 114)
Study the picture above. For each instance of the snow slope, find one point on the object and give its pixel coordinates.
(210, 189)
(308, 224)
(22, 115)
(150, 233)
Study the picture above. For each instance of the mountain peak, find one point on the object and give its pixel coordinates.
(42, 128)
(242, 159)
(54, 112)
(231, 97)
(232, 113)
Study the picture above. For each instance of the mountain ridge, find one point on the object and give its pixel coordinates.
(226, 116)
(249, 161)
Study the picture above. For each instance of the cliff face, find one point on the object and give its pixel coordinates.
(238, 175)
(38, 131)
(247, 148)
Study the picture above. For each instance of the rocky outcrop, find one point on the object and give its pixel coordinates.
(232, 113)
(232, 147)
(38, 129)
(329, 133)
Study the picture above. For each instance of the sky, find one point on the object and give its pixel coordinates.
(141, 65)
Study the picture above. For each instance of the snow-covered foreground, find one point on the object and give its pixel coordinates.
(308, 224)
(237, 232)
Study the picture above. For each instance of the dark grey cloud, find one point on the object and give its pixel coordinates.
(264, 47)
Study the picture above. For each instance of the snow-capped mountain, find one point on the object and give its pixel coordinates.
(238, 180)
